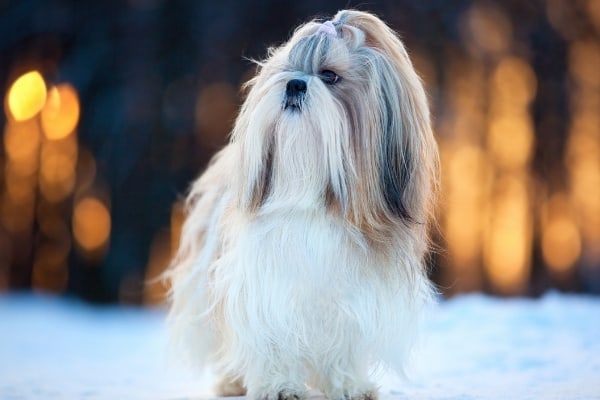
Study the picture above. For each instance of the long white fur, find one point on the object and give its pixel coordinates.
(275, 285)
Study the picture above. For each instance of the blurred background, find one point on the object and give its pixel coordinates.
(111, 108)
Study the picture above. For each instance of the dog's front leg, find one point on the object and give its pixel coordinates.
(276, 376)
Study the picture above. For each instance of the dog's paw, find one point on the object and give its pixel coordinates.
(365, 393)
(230, 388)
(285, 394)
(289, 395)
(369, 395)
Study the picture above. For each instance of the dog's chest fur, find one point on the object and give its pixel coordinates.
(302, 275)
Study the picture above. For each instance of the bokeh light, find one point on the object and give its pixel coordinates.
(22, 141)
(91, 224)
(488, 28)
(508, 237)
(26, 96)
(561, 242)
(102, 136)
(61, 112)
(58, 162)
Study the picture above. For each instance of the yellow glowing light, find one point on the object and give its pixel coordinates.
(26, 96)
(91, 224)
(61, 112)
(561, 244)
(466, 177)
(514, 82)
(561, 241)
(510, 140)
(508, 240)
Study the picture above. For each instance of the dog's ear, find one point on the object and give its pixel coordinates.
(253, 183)
(258, 188)
(408, 159)
(252, 142)
(396, 156)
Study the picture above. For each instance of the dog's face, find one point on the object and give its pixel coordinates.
(337, 116)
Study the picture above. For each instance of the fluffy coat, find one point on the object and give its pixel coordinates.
(301, 256)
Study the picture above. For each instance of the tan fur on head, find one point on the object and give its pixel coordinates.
(301, 259)
(383, 165)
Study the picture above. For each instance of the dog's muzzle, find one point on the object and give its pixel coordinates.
(295, 91)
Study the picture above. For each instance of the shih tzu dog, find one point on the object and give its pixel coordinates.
(301, 258)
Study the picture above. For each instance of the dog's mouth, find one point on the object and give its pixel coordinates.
(293, 103)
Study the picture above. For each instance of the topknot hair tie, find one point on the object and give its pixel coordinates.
(328, 28)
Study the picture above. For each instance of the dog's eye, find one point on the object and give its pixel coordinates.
(329, 77)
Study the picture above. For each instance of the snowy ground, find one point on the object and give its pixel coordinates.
(476, 348)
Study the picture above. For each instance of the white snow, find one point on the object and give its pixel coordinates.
(475, 347)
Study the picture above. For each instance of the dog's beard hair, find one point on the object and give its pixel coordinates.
(290, 162)
(301, 257)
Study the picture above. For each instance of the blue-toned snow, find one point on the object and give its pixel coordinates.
(474, 347)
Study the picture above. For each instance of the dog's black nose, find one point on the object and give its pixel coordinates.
(295, 91)
(295, 87)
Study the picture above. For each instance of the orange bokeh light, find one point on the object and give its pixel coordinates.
(488, 28)
(514, 84)
(60, 115)
(57, 168)
(508, 237)
(22, 143)
(561, 244)
(91, 224)
(511, 140)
